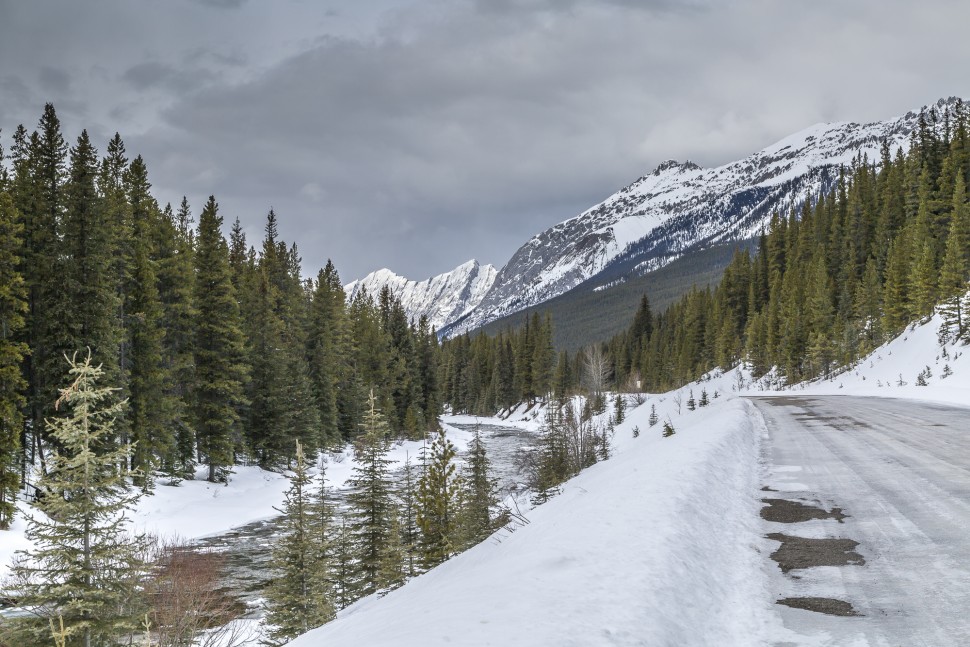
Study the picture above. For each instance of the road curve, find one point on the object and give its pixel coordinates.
(900, 470)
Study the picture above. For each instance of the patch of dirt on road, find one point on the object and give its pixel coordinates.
(802, 552)
(784, 511)
(829, 606)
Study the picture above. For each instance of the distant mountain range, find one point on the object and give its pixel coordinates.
(678, 208)
(443, 299)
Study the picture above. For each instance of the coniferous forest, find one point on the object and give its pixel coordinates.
(138, 342)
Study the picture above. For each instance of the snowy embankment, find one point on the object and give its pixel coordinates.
(893, 369)
(655, 546)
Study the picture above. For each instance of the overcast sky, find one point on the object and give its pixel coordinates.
(417, 134)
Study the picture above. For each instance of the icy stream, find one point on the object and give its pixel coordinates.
(247, 549)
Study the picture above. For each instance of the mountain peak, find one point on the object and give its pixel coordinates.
(674, 165)
(443, 299)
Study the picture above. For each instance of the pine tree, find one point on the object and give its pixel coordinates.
(326, 349)
(371, 506)
(13, 308)
(88, 298)
(619, 409)
(407, 506)
(704, 400)
(176, 277)
(439, 502)
(298, 596)
(668, 429)
(480, 493)
(219, 368)
(150, 405)
(85, 567)
(653, 419)
(691, 403)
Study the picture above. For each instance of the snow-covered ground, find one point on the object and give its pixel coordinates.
(656, 546)
(659, 545)
(197, 508)
(892, 371)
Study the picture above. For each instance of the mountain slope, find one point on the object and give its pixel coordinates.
(443, 299)
(678, 207)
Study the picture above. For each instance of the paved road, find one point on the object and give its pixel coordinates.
(901, 471)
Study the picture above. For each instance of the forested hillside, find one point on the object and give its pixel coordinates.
(221, 350)
(832, 281)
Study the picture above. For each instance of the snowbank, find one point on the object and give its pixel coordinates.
(892, 370)
(656, 546)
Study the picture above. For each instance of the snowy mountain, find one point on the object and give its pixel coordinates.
(443, 299)
(681, 206)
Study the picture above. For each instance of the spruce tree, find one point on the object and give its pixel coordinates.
(88, 298)
(298, 596)
(439, 502)
(219, 368)
(653, 419)
(13, 308)
(151, 406)
(371, 506)
(86, 566)
(619, 409)
(407, 505)
(480, 493)
(176, 278)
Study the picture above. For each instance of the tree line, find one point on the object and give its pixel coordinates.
(220, 350)
(831, 280)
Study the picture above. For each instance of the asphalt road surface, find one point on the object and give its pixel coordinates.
(900, 473)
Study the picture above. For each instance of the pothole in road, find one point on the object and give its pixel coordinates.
(784, 511)
(829, 606)
(802, 552)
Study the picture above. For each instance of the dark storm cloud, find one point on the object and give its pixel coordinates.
(416, 134)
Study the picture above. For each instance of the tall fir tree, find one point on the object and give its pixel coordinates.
(13, 309)
(219, 368)
(151, 405)
(298, 595)
(86, 567)
(439, 502)
(370, 502)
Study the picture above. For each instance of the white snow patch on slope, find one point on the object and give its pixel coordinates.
(902, 359)
(655, 546)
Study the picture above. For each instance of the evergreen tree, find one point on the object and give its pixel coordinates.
(298, 599)
(371, 506)
(85, 567)
(176, 277)
(480, 493)
(150, 405)
(13, 308)
(439, 502)
(619, 409)
(407, 506)
(219, 368)
(88, 298)
(653, 419)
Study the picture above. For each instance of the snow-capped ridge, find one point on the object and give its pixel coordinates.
(679, 207)
(443, 299)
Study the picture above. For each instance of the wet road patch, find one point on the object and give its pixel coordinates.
(803, 552)
(784, 511)
(828, 606)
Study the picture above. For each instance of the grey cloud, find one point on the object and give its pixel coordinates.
(430, 132)
(153, 74)
(54, 79)
(222, 4)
